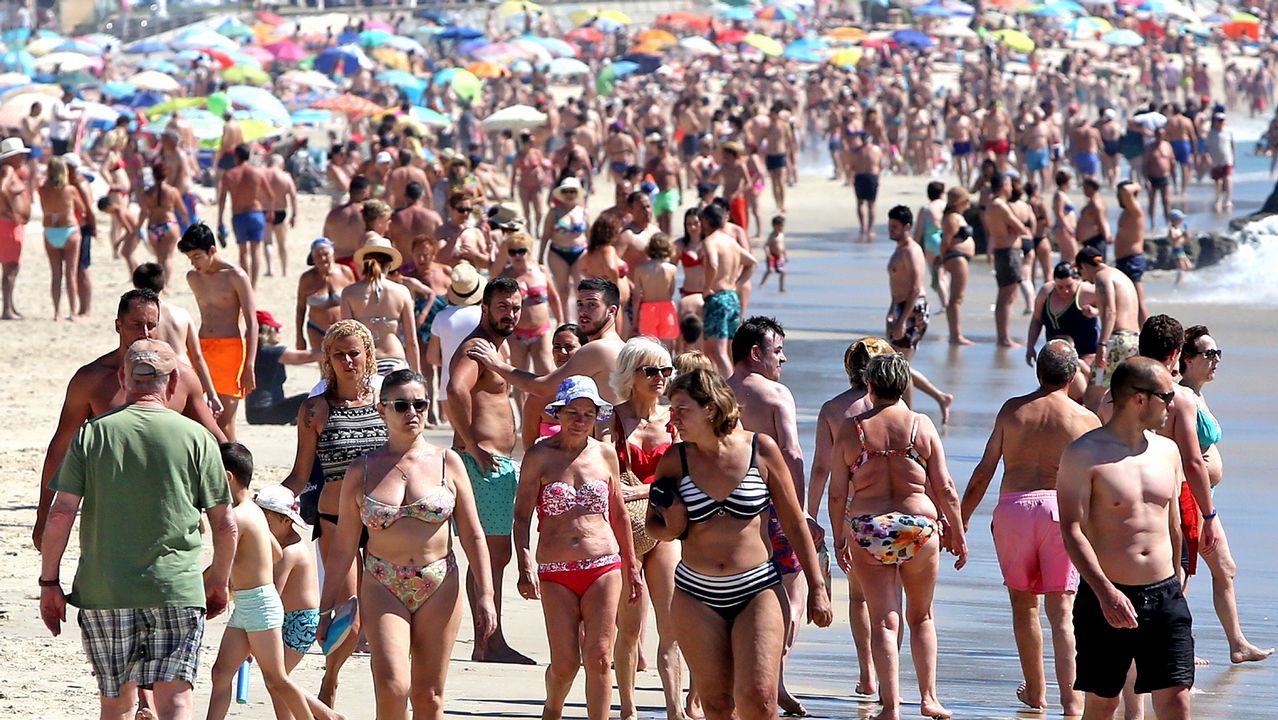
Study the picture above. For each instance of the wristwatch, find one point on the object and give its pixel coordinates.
(1210, 516)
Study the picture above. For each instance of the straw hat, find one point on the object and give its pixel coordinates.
(570, 183)
(380, 246)
(467, 286)
(12, 146)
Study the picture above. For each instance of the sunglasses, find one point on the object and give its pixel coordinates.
(654, 370)
(1166, 397)
(1214, 354)
(402, 406)
(463, 210)
(517, 252)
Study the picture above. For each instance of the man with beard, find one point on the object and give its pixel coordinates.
(598, 302)
(484, 432)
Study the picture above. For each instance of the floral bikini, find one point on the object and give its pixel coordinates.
(893, 537)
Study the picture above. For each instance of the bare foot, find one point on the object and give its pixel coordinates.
(504, 654)
(945, 402)
(1009, 343)
(1201, 662)
(692, 706)
(1022, 694)
(934, 709)
(144, 714)
(1249, 653)
(790, 705)
(960, 340)
(865, 687)
(327, 693)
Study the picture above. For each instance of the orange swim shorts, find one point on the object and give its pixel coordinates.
(225, 358)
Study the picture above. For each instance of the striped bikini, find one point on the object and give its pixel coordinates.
(727, 595)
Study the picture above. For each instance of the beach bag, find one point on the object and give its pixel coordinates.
(637, 509)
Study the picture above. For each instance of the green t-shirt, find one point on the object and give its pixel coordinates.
(145, 474)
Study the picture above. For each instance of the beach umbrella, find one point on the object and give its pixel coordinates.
(83, 47)
(256, 53)
(606, 80)
(240, 58)
(18, 61)
(657, 36)
(846, 58)
(95, 111)
(374, 38)
(118, 89)
(1196, 29)
(615, 17)
(159, 65)
(233, 27)
(308, 79)
(311, 117)
(776, 12)
(66, 62)
(348, 104)
(846, 34)
(400, 79)
(269, 18)
(201, 38)
(737, 3)
(378, 24)
(405, 44)
(459, 32)
(731, 37)
(1050, 10)
(699, 45)
(556, 47)
(286, 51)
(932, 10)
(510, 8)
(683, 20)
(960, 30)
(497, 52)
(146, 47)
(1088, 27)
(246, 74)
(344, 59)
(1245, 18)
(567, 67)
(487, 70)
(11, 79)
(1122, 38)
(1238, 31)
(427, 116)
(802, 54)
(462, 81)
(44, 45)
(912, 38)
(584, 35)
(172, 106)
(766, 45)
(1015, 40)
(645, 64)
(531, 50)
(48, 90)
(515, 117)
(261, 104)
(738, 14)
(18, 106)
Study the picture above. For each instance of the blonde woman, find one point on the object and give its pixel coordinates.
(333, 429)
(540, 306)
(61, 203)
(642, 432)
(383, 306)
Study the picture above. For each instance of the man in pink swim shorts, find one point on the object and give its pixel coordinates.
(1029, 435)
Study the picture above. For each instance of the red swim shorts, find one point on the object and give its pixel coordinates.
(10, 241)
(998, 147)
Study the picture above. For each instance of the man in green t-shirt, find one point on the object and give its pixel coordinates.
(144, 473)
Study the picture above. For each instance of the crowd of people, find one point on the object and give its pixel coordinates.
(593, 353)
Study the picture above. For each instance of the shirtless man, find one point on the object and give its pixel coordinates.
(598, 302)
(1029, 434)
(400, 176)
(283, 198)
(95, 389)
(1119, 307)
(1159, 164)
(15, 212)
(484, 427)
(1120, 522)
(411, 221)
(1003, 231)
(224, 295)
(232, 139)
(733, 176)
(1129, 241)
(179, 171)
(1036, 142)
(665, 170)
(996, 133)
(344, 224)
(1180, 133)
(728, 269)
(866, 162)
(620, 149)
(1111, 132)
(632, 244)
(1092, 229)
(958, 129)
(1085, 142)
(907, 315)
(177, 328)
(779, 142)
(250, 193)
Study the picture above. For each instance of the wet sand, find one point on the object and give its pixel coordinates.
(837, 292)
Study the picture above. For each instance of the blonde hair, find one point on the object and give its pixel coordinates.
(954, 196)
(708, 389)
(344, 329)
(690, 360)
(637, 352)
(374, 210)
(57, 178)
(519, 239)
(660, 247)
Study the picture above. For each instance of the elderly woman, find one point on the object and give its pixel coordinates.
(889, 533)
(540, 306)
(403, 495)
(584, 547)
(1199, 360)
(535, 423)
(564, 238)
(319, 294)
(642, 432)
(714, 492)
(383, 306)
(333, 429)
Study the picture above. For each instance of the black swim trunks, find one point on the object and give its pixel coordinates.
(1162, 644)
(280, 217)
(866, 186)
(1007, 266)
(775, 161)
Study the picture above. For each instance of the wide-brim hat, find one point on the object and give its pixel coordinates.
(380, 246)
(466, 286)
(570, 183)
(575, 387)
(13, 146)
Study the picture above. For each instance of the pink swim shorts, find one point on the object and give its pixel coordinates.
(1027, 539)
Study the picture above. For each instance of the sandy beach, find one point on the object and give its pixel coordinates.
(838, 292)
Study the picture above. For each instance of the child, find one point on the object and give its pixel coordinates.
(126, 227)
(256, 622)
(690, 329)
(296, 579)
(1177, 235)
(654, 287)
(776, 252)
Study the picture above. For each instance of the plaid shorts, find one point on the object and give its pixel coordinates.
(143, 646)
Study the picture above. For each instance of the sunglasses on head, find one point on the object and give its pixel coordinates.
(1213, 354)
(518, 252)
(1166, 397)
(655, 370)
(402, 406)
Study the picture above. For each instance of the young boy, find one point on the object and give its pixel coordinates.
(1177, 234)
(256, 621)
(776, 252)
(654, 286)
(126, 227)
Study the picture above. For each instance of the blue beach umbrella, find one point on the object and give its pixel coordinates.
(344, 59)
(78, 46)
(400, 79)
(428, 116)
(374, 38)
(159, 65)
(737, 13)
(912, 38)
(18, 61)
(1123, 38)
(261, 103)
(801, 54)
(405, 44)
(118, 89)
(146, 47)
(555, 46)
(934, 11)
(460, 32)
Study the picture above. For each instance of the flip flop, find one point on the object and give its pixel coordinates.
(340, 628)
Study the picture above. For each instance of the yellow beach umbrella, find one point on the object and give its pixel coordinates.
(768, 46)
(1015, 40)
(510, 8)
(847, 57)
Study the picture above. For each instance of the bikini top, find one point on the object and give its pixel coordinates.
(1069, 208)
(435, 507)
(330, 299)
(906, 452)
(560, 497)
(633, 457)
(1208, 428)
(565, 225)
(536, 295)
(688, 259)
(748, 499)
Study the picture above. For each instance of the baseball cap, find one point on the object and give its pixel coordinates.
(1176, 214)
(384, 158)
(279, 499)
(1218, 116)
(266, 318)
(1089, 255)
(149, 359)
(1064, 269)
(1111, 114)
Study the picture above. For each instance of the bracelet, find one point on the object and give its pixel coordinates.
(55, 582)
(1210, 516)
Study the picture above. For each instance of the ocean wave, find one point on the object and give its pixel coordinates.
(1243, 278)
